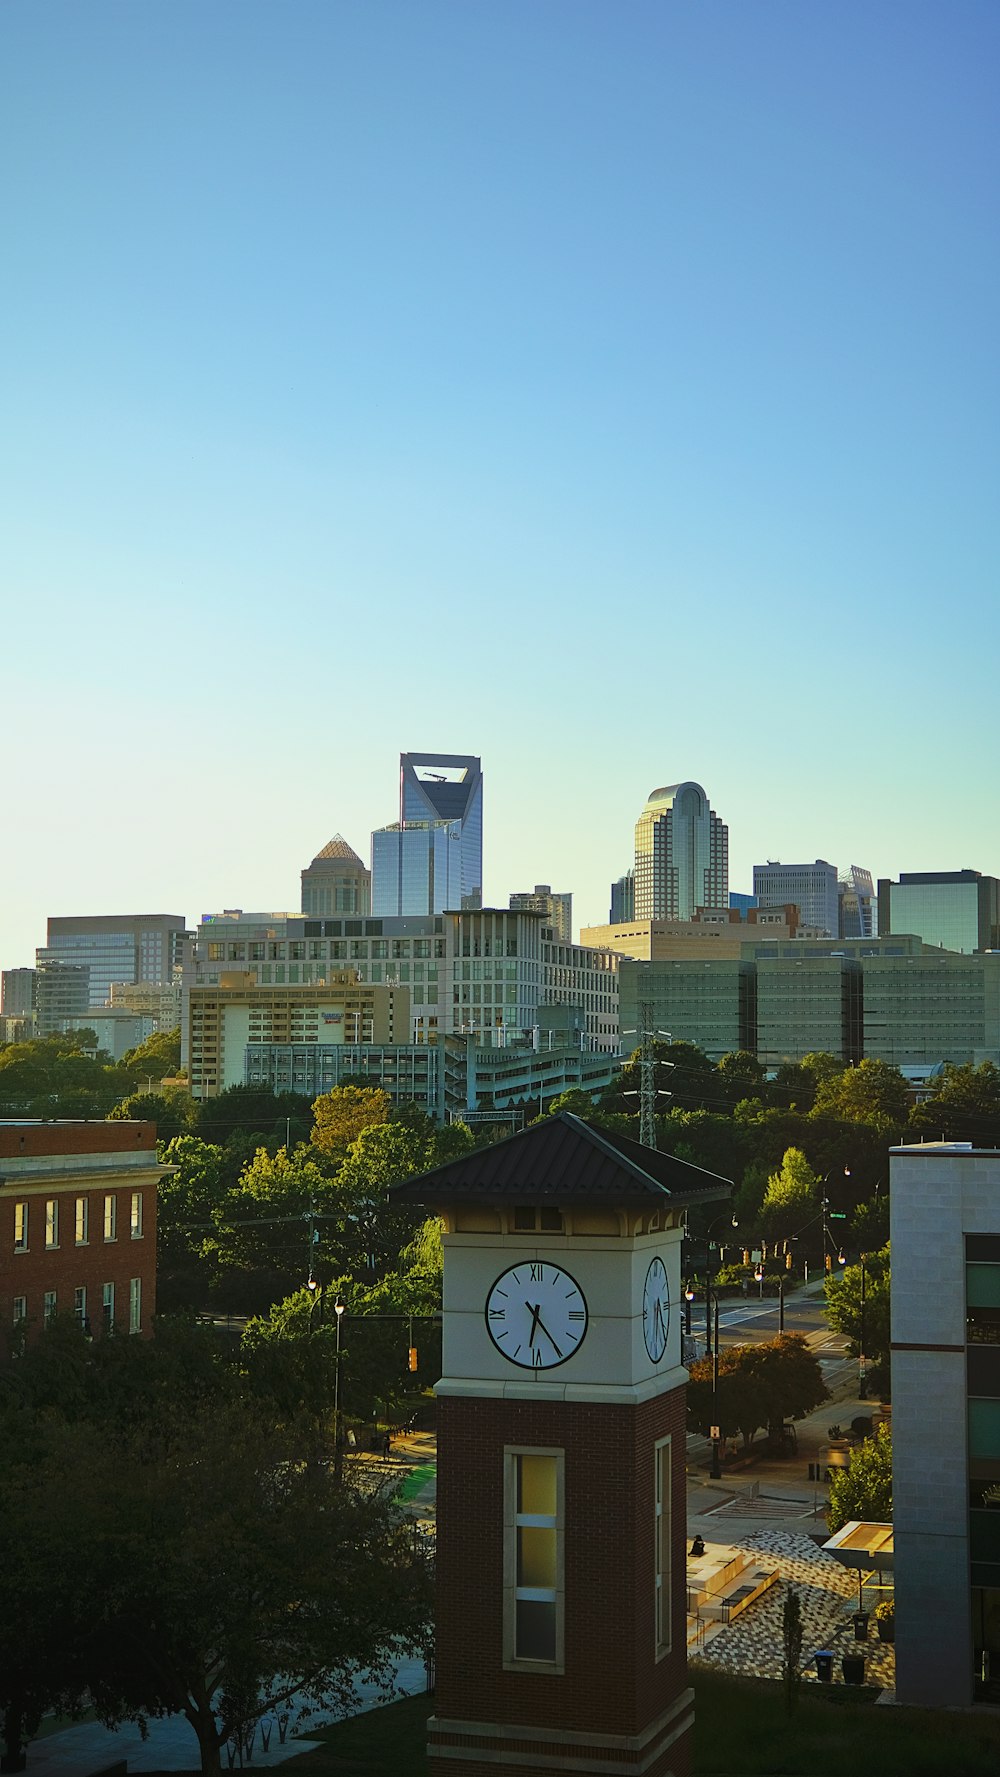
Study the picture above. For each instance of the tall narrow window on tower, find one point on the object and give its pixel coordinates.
(661, 1456)
(533, 1590)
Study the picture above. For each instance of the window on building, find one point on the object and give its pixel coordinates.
(82, 1220)
(20, 1310)
(20, 1227)
(135, 1305)
(111, 1217)
(533, 1626)
(135, 1216)
(108, 1307)
(662, 1560)
(80, 1307)
(52, 1221)
(48, 1305)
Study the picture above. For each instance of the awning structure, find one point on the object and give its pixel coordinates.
(866, 1546)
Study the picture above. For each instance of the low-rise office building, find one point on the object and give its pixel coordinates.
(78, 1224)
(708, 1003)
(238, 1013)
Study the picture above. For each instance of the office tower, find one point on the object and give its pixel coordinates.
(953, 909)
(431, 860)
(681, 855)
(557, 909)
(623, 899)
(18, 993)
(62, 994)
(856, 897)
(116, 947)
(812, 888)
(336, 881)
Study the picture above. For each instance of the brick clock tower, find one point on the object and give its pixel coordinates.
(561, 1540)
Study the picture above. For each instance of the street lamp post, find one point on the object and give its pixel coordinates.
(733, 1223)
(338, 1453)
(715, 1472)
(862, 1379)
(781, 1305)
(688, 1299)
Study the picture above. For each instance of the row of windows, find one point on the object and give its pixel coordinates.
(50, 1306)
(81, 1220)
(319, 950)
(534, 1588)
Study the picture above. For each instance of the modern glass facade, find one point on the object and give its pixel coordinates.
(431, 859)
(130, 947)
(812, 888)
(953, 910)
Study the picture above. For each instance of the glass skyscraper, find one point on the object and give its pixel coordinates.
(431, 859)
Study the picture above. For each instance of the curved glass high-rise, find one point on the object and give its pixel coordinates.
(681, 855)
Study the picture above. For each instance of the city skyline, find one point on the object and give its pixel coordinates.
(610, 395)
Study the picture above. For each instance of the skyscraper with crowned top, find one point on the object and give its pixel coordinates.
(681, 855)
(431, 860)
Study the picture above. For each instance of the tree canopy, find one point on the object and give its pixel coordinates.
(758, 1385)
(234, 1568)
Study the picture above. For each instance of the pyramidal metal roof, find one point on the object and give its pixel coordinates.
(565, 1160)
(338, 848)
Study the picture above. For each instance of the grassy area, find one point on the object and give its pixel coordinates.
(741, 1730)
(415, 1480)
(389, 1742)
(741, 1726)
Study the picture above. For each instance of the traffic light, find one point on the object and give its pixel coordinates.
(829, 1262)
(413, 1357)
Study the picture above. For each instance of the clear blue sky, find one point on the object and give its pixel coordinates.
(610, 390)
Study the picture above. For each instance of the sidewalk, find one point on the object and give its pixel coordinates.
(170, 1743)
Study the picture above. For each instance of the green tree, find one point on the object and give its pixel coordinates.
(844, 1310)
(791, 1644)
(758, 1385)
(791, 1197)
(173, 1111)
(964, 1106)
(234, 1568)
(682, 1072)
(863, 1490)
(873, 1092)
(741, 1076)
(155, 1058)
(341, 1115)
(254, 1111)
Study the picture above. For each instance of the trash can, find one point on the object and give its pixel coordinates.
(860, 1621)
(824, 1666)
(853, 1668)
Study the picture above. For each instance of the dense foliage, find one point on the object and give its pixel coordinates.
(182, 1507)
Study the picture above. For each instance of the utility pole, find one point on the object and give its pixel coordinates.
(647, 1076)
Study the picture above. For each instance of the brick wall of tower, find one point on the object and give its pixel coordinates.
(613, 1683)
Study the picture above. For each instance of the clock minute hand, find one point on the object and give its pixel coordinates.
(539, 1322)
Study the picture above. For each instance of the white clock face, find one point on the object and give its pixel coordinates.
(536, 1315)
(656, 1310)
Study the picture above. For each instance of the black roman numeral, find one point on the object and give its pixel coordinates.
(537, 1273)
